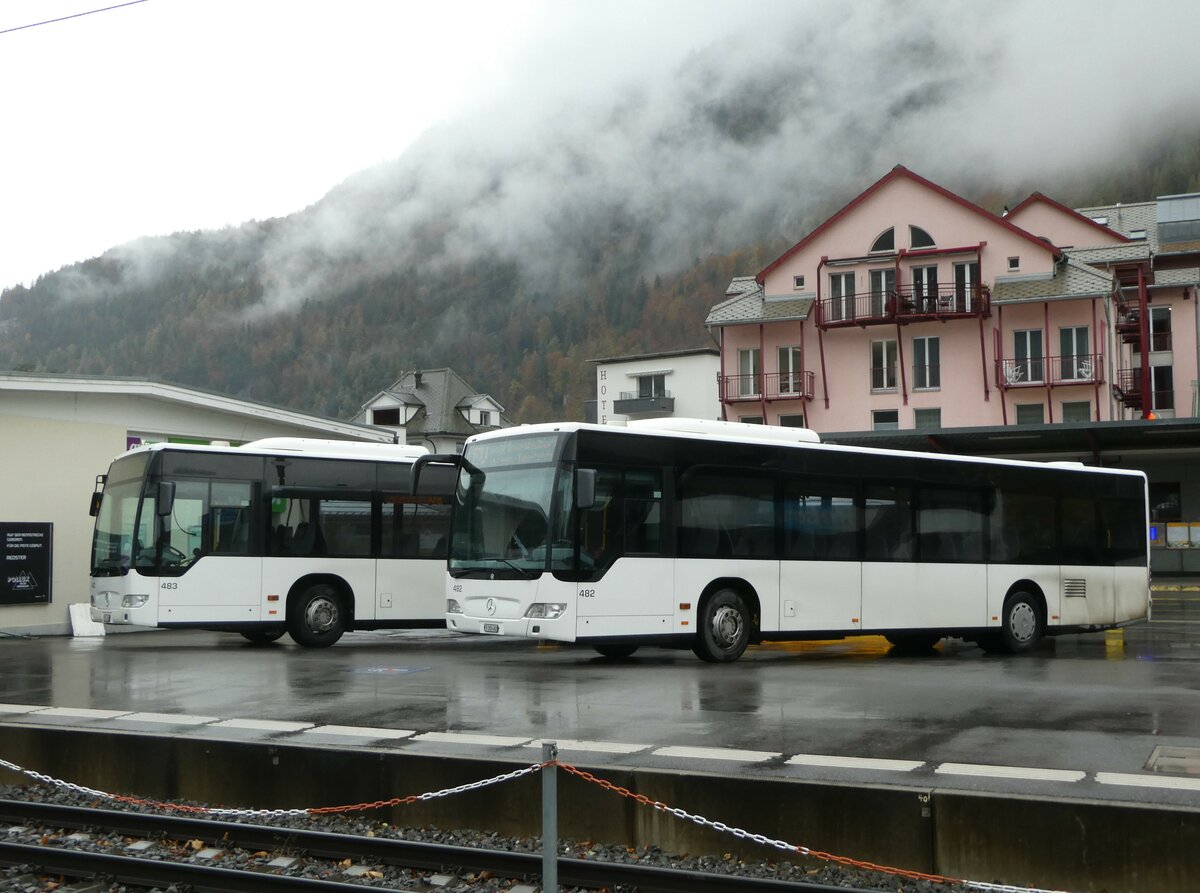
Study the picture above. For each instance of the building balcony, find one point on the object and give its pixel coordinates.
(904, 305)
(632, 404)
(1128, 389)
(779, 386)
(1061, 371)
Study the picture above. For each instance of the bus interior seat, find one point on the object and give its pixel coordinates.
(307, 539)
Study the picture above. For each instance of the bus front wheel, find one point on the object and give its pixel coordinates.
(724, 628)
(316, 618)
(1022, 624)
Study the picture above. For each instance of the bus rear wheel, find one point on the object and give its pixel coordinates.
(316, 618)
(262, 636)
(1022, 625)
(724, 628)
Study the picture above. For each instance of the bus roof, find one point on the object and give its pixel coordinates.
(733, 432)
(308, 447)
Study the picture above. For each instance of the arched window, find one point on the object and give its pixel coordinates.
(918, 238)
(886, 240)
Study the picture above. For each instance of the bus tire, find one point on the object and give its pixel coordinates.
(262, 636)
(1022, 625)
(724, 628)
(615, 650)
(316, 617)
(912, 643)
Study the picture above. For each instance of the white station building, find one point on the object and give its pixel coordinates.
(58, 433)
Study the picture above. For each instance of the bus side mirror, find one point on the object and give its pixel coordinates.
(166, 498)
(97, 495)
(585, 488)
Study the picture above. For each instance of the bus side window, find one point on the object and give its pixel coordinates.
(889, 523)
(643, 512)
(602, 527)
(820, 520)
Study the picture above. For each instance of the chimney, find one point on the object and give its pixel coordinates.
(417, 379)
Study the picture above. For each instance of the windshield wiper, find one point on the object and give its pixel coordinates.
(524, 573)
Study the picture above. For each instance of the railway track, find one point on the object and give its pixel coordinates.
(286, 858)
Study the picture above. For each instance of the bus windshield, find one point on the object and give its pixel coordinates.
(116, 537)
(512, 509)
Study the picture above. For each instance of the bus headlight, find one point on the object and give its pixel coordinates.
(102, 599)
(134, 601)
(545, 610)
(453, 607)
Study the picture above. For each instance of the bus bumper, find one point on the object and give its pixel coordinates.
(489, 626)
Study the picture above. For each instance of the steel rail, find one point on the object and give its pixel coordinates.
(323, 844)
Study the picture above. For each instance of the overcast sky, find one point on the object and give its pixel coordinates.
(175, 115)
(187, 114)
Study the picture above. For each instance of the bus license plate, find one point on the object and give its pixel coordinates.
(491, 628)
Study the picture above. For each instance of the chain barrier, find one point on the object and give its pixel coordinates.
(642, 799)
(762, 839)
(229, 812)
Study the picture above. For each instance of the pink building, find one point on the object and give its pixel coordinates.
(913, 308)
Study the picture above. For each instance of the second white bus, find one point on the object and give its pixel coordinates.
(312, 538)
(722, 535)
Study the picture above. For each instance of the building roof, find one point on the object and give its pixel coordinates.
(666, 354)
(1127, 219)
(1072, 279)
(441, 393)
(895, 173)
(173, 393)
(1084, 439)
(745, 303)
(1038, 198)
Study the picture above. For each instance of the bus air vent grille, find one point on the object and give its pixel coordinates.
(1075, 588)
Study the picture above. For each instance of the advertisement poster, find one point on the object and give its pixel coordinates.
(25, 562)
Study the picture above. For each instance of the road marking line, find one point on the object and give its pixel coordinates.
(1010, 772)
(263, 725)
(594, 746)
(1149, 781)
(20, 708)
(172, 719)
(716, 753)
(819, 759)
(81, 712)
(467, 738)
(360, 732)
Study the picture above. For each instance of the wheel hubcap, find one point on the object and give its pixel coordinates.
(1022, 622)
(727, 627)
(320, 615)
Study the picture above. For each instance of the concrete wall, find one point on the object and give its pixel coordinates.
(53, 444)
(1080, 844)
(47, 472)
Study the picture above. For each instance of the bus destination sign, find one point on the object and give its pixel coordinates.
(25, 563)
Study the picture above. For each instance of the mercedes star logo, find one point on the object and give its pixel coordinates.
(491, 606)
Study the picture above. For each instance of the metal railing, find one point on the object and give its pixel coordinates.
(906, 303)
(1068, 369)
(779, 386)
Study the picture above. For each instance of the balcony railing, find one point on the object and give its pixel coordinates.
(905, 304)
(779, 386)
(1069, 369)
(883, 378)
(926, 376)
(634, 403)
(1128, 389)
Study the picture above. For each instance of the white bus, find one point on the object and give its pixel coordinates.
(721, 535)
(308, 537)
